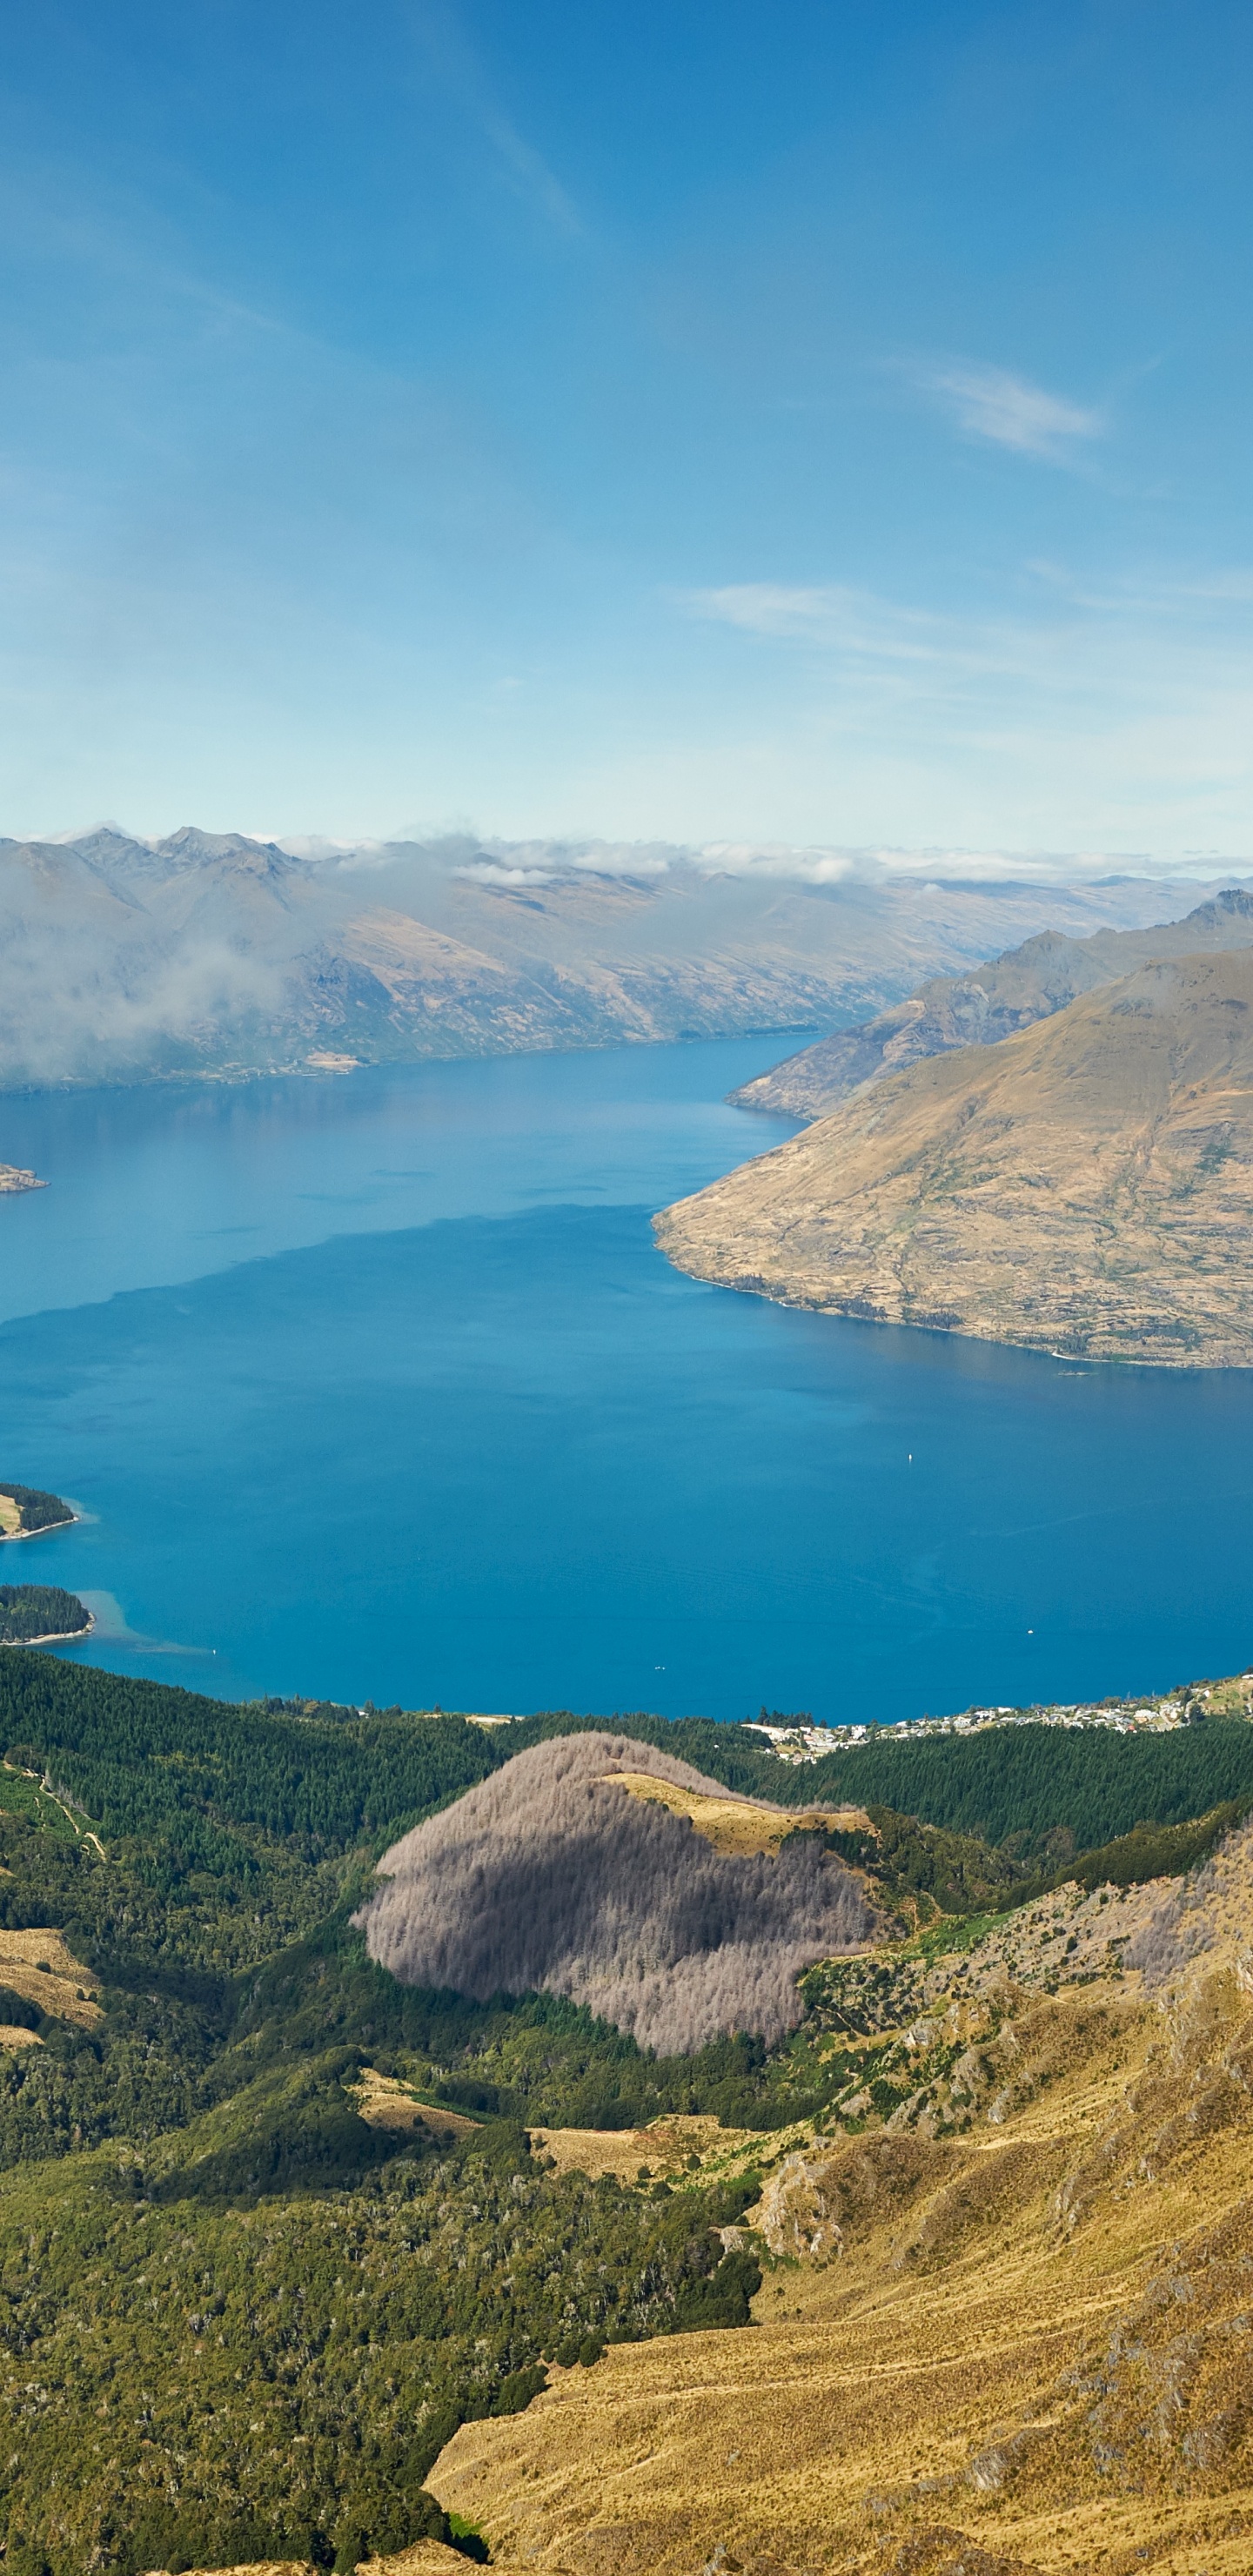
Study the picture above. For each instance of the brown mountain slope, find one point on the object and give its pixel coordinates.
(1086, 1186)
(1004, 2332)
(990, 1003)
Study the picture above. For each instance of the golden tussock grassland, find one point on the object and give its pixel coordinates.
(1025, 2345)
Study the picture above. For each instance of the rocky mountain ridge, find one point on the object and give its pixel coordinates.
(992, 1002)
(1003, 2329)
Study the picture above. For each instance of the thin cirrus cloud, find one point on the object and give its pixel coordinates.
(528, 173)
(456, 66)
(1137, 700)
(833, 615)
(1008, 410)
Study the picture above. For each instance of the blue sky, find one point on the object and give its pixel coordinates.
(786, 423)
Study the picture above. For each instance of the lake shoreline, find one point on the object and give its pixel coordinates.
(71, 1521)
(56, 1636)
(383, 1387)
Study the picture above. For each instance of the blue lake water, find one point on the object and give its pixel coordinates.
(379, 1388)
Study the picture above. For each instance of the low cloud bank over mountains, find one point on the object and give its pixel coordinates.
(552, 1877)
(213, 953)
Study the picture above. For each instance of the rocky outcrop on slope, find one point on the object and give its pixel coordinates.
(1084, 1187)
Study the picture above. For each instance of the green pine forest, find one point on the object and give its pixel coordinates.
(39, 1610)
(37, 1510)
(236, 2321)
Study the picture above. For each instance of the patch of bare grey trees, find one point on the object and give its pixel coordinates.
(549, 1876)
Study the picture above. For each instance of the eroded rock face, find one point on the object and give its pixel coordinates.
(797, 2214)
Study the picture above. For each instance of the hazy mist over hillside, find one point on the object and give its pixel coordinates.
(127, 959)
(981, 1008)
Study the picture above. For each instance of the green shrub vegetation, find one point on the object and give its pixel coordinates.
(1158, 1851)
(210, 2351)
(955, 1873)
(138, 1755)
(236, 2320)
(1023, 1790)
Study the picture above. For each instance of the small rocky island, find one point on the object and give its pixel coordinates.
(25, 1512)
(12, 1178)
(40, 1614)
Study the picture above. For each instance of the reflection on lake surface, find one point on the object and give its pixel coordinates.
(378, 1388)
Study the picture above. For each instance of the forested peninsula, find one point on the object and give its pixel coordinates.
(25, 1511)
(41, 1614)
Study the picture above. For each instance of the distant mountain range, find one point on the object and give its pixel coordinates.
(990, 1003)
(215, 954)
(1085, 1186)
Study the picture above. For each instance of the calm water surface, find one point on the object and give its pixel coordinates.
(378, 1388)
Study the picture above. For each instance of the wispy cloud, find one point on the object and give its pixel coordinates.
(521, 863)
(831, 615)
(991, 403)
(1091, 715)
(527, 170)
(524, 169)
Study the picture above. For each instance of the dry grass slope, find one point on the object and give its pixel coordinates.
(383, 2102)
(1021, 2348)
(990, 1003)
(736, 1825)
(43, 1970)
(1086, 1186)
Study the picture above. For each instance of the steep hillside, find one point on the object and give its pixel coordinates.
(557, 1876)
(992, 1002)
(1086, 1186)
(1004, 2329)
